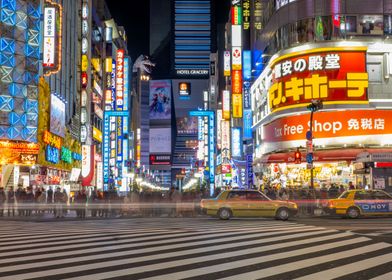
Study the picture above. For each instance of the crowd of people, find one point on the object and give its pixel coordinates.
(98, 203)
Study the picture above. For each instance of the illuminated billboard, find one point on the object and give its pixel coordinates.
(160, 100)
(236, 62)
(236, 142)
(57, 116)
(326, 74)
(237, 105)
(236, 82)
(226, 64)
(187, 125)
(226, 104)
(160, 140)
(184, 89)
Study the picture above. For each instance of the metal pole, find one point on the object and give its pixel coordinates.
(311, 133)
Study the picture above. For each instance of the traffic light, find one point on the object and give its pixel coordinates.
(297, 156)
(315, 105)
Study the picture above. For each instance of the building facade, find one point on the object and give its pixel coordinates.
(336, 52)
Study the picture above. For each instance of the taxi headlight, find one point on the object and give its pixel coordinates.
(295, 206)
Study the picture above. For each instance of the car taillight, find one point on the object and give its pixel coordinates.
(330, 204)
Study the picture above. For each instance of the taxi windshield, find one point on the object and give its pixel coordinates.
(344, 195)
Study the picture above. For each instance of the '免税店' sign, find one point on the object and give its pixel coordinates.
(326, 74)
(329, 125)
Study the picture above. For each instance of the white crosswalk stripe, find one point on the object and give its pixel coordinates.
(187, 249)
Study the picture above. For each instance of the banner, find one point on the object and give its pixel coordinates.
(57, 116)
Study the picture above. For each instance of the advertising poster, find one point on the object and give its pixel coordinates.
(160, 140)
(236, 142)
(247, 124)
(187, 125)
(160, 100)
(57, 116)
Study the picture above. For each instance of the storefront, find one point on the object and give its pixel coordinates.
(354, 118)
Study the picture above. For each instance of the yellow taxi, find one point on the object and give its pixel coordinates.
(356, 203)
(247, 203)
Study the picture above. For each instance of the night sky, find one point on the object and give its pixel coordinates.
(135, 20)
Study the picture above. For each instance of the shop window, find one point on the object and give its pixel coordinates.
(293, 35)
(342, 24)
(350, 24)
(370, 25)
(388, 24)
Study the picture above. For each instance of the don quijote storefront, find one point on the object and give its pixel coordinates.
(350, 79)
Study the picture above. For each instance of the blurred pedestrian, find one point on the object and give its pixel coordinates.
(10, 202)
(351, 186)
(2, 201)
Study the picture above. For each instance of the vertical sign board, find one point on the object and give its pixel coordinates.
(211, 142)
(108, 84)
(226, 64)
(236, 142)
(106, 149)
(249, 170)
(219, 119)
(237, 105)
(126, 106)
(246, 77)
(226, 105)
(236, 61)
(49, 36)
(119, 107)
(247, 119)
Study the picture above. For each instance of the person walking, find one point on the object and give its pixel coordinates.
(2, 201)
(10, 202)
(58, 198)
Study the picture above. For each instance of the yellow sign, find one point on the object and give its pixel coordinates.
(237, 105)
(96, 64)
(84, 63)
(51, 139)
(108, 65)
(97, 134)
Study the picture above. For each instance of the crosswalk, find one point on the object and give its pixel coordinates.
(200, 248)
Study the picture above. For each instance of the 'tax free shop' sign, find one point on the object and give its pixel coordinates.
(330, 124)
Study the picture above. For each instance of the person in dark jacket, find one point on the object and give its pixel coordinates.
(28, 201)
(2, 201)
(10, 202)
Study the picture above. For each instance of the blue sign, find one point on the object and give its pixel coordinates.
(247, 65)
(309, 157)
(257, 62)
(52, 154)
(106, 149)
(236, 142)
(374, 207)
(309, 135)
(247, 98)
(249, 169)
(211, 141)
(117, 113)
(76, 156)
(247, 124)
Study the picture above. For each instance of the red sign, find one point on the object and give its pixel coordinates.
(330, 124)
(160, 159)
(236, 82)
(84, 79)
(326, 74)
(226, 168)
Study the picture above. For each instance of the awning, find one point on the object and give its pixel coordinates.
(319, 156)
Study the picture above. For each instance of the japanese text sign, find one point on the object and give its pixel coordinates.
(330, 124)
(326, 74)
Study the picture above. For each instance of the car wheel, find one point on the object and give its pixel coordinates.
(224, 213)
(352, 213)
(282, 214)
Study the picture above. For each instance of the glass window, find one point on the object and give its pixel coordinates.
(381, 195)
(237, 195)
(255, 196)
(323, 28)
(305, 30)
(350, 23)
(388, 24)
(370, 25)
(362, 196)
(344, 195)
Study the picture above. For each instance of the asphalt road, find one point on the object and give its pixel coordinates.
(196, 248)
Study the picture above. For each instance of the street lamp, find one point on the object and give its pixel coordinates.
(314, 106)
